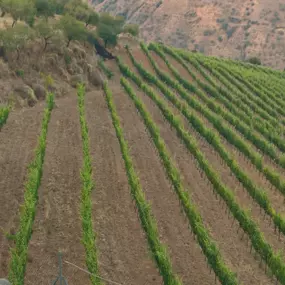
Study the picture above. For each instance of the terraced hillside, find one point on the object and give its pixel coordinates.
(172, 174)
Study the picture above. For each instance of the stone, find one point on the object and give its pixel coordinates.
(75, 79)
(39, 91)
(26, 93)
(96, 78)
(4, 282)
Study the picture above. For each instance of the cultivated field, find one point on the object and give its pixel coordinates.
(173, 174)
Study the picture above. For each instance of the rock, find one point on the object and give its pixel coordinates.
(39, 91)
(52, 59)
(26, 93)
(4, 282)
(79, 52)
(63, 74)
(74, 68)
(75, 79)
(96, 78)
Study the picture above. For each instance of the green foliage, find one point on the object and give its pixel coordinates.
(206, 243)
(89, 237)
(20, 251)
(45, 31)
(258, 194)
(254, 60)
(85, 14)
(14, 39)
(109, 27)
(158, 250)
(92, 19)
(48, 81)
(21, 10)
(231, 31)
(4, 113)
(209, 32)
(20, 72)
(5, 7)
(72, 29)
(104, 68)
(131, 29)
(45, 8)
(67, 58)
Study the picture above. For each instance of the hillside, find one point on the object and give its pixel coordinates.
(172, 173)
(236, 29)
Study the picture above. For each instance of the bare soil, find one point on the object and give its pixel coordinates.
(231, 181)
(57, 225)
(18, 139)
(235, 250)
(122, 246)
(188, 261)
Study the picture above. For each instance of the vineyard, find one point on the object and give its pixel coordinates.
(173, 173)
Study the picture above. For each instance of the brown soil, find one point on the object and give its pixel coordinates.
(187, 259)
(122, 246)
(242, 197)
(57, 225)
(233, 249)
(18, 140)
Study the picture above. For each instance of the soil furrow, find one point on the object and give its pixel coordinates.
(57, 225)
(18, 139)
(122, 246)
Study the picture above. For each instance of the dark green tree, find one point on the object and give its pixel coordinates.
(14, 39)
(254, 60)
(45, 31)
(131, 29)
(109, 27)
(72, 29)
(45, 8)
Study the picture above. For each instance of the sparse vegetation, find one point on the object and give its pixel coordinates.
(35, 170)
(4, 113)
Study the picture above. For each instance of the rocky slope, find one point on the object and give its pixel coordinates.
(232, 28)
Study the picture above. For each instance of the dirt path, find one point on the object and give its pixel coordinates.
(57, 224)
(18, 139)
(122, 246)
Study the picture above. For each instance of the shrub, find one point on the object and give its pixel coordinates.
(254, 60)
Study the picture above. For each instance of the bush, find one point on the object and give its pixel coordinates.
(209, 32)
(254, 60)
(109, 27)
(72, 29)
(131, 29)
(231, 31)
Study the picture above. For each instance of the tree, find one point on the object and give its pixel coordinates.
(92, 18)
(109, 27)
(21, 10)
(70, 6)
(45, 8)
(13, 39)
(131, 29)
(72, 29)
(5, 7)
(254, 60)
(45, 31)
(59, 6)
(82, 12)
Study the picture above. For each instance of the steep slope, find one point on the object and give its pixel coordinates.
(236, 29)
